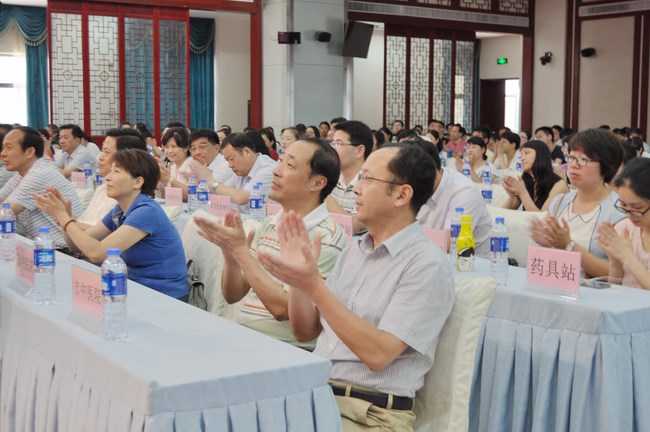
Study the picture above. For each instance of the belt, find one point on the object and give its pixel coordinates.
(381, 400)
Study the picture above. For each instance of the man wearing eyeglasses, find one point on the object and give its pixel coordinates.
(352, 140)
(379, 315)
(208, 162)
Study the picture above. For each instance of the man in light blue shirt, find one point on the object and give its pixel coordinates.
(249, 168)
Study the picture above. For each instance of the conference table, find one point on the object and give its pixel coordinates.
(183, 369)
(550, 363)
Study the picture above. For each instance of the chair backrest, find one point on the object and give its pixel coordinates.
(443, 403)
(518, 224)
(209, 262)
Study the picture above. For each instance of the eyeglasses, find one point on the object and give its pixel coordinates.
(580, 160)
(634, 213)
(338, 143)
(365, 177)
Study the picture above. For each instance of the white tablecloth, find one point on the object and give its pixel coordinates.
(185, 370)
(546, 363)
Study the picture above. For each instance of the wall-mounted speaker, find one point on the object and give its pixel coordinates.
(588, 52)
(323, 36)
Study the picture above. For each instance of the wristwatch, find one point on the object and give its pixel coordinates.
(570, 246)
(214, 187)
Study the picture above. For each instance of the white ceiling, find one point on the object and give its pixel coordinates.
(40, 3)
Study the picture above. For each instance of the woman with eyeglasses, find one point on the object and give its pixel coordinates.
(628, 243)
(538, 185)
(150, 244)
(594, 158)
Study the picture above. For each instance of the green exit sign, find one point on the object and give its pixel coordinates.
(502, 60)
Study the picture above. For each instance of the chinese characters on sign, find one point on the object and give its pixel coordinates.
(219, 205)
(554, 269)
(87, 292)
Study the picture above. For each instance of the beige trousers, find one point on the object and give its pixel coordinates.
(360, 416)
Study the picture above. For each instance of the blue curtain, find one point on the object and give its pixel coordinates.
(201, 73)
(32, 24)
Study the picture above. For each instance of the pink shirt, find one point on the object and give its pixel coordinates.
(634, 233)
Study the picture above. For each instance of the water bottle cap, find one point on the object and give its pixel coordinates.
(6, 205)
(113, 251)
(500, 220)
(459, 209)
(204, 181)
(44, 230)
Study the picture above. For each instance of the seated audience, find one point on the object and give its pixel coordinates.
(288, 136)
(545, 135)
(48, 152)
(323, 128)
(92, 148)
(379, 315)
(628, 243)
(74, 154)
(476, 154)
(22, 153)
(594, 157)
(524, 137)
(249, 168)
(507, 151)
(150, 244)
(301, 182)
(269, 140)
(101, 203)
(208, 163)
(260, 145)
(178, 171)
(538, 184)
(352, 140)
(452, 190)
(457, 140)
(312, 132)
(5, 174)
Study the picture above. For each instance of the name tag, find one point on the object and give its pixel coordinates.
(78, 179)
(25, 263)
(86, 292)
(554, 269)
(219, 205)
(345, 222)
(173, 196)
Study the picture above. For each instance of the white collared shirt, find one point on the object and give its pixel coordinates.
(260, 172)
(221, 171)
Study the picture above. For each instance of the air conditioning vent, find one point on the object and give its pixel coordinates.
(614, 8)
(440, 14)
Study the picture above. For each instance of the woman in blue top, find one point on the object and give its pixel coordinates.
(138, 226)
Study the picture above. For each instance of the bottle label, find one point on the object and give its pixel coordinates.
(487, 194)
(88, 172)
(518, 166)
(99, 179)
(499, 244)
(466, 259)
(465, 172)
(44, 257)
(191, 190)
(455, 230)
(8, 227)
(114, 284)
(255, 203)
(487, 177)
(203, 196)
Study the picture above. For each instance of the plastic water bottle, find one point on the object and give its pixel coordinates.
(7, 234)
(499, 248)
(203, 192)
(466, 169)
(454, 230)
(486, 187)
(114, 283)
(262, 195)
(88, 173)
(150, 149)
(44, 263)
(450, 153)
(99, 179)
(466, 245)
(255, 204)
(443, 159)
(518, 166)
(192, 194)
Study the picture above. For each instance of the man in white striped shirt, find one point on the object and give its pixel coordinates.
(379, 315)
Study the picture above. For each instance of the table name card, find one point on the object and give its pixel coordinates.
(438, 236)
(273, 208)
(78, 179)
(25, 263)
(173, 196)
(87, 292)
(554, 269)
(345, 222)
(219, 205)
